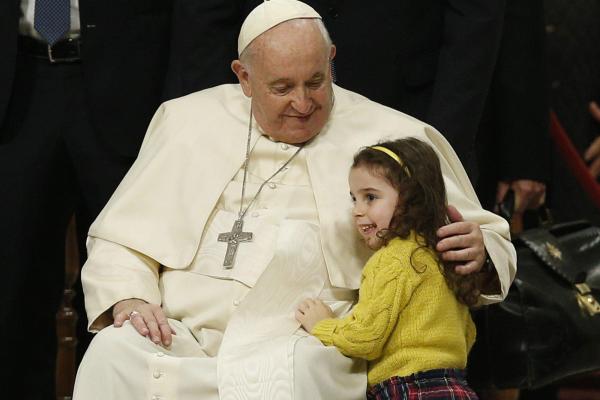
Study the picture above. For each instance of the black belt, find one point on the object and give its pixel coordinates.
(63, 51)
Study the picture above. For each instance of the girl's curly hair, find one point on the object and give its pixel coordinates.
(422, 207)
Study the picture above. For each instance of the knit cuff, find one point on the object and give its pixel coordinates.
(324, 329)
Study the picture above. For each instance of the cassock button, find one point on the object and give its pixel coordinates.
(156, 374)
(236, 303)
(285, 146)
(155, 397)
(160, 354)
(272, 185)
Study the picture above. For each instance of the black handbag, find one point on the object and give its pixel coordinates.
(548, 327)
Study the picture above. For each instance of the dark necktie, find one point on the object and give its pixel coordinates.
(52, 19)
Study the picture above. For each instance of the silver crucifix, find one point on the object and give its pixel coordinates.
(233, 239)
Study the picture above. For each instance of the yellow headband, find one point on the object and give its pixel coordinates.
(393, 155)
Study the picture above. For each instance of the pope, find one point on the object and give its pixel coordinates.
(236, 209)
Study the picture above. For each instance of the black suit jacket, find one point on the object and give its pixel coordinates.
(514, 140)
(125, 54)
(431, 59)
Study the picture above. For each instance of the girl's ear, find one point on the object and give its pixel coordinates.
(399, 205)
(398, 212)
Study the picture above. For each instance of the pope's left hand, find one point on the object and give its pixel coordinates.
(461, 242)
(311, 311)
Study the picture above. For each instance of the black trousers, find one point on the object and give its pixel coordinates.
(52, 164)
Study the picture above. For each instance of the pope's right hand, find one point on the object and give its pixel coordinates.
(148, 319)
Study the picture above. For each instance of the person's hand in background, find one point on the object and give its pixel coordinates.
(592, 154)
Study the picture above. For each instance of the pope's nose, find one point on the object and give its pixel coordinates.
(301, 102)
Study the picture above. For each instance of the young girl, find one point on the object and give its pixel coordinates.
(412, 321)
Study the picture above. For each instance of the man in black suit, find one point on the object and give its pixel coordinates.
(72, 117)
(513, 144)
(431, 59)
(513, 151)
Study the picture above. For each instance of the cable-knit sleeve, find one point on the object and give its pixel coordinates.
(385, 290)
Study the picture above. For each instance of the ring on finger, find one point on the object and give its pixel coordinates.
(134, 313)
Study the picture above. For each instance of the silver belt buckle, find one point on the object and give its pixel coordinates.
(54, 60)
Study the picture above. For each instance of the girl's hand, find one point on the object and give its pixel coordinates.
(311, 311)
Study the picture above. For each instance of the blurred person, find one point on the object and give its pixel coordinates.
(513, 143)
(572, 62)
(79, 81)
(513, 146)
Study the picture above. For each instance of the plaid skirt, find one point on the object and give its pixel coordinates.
(436, 384)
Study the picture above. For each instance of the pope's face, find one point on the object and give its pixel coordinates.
(290, 85)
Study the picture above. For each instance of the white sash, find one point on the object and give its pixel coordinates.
(255, 360)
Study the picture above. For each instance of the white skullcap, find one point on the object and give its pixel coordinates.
(270, 13)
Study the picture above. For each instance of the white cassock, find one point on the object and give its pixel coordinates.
(236, 336)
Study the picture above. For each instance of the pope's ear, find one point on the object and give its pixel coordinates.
(331, 57)
(332, 52)
(242, 74)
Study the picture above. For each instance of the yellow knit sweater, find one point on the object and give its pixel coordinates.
(406, 320)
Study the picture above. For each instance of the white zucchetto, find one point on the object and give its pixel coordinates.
(271, 13)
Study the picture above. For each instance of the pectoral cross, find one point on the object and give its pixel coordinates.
(233, 239)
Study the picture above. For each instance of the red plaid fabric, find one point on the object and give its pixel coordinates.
(437, 384)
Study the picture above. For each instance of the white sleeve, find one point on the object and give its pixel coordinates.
(495, 229)
(113, 273)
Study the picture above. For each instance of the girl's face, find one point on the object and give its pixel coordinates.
(375, 201)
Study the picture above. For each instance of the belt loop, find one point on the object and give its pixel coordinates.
(50, 58)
